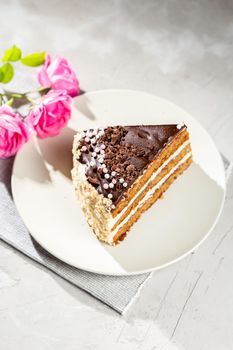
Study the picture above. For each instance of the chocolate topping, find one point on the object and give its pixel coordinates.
(116, 156)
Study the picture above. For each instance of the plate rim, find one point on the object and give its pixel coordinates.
(152, 269)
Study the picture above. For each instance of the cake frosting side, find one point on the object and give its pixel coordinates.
(96, 207)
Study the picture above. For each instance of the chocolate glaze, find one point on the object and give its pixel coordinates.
(128, 152)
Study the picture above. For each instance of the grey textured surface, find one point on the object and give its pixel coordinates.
(181, 50)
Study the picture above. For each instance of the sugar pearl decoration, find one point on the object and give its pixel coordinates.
(179, 126)
(87, 139)
(89, 133)
(113, 206)
(97, 149)
(101, 160)
(102, 151)
(93, 141)
(111, 185)
(114, 181)
(95, 131)
(113, 173)
(125, 184)
(107, 176)
(103, 146)
(92, 163)
(94, 154)
(121, 180)
(110, 196)
(84, 148)
(105, 170)
(83, 134)
(105, 186)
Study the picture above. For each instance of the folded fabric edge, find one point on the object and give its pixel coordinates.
(136, 295)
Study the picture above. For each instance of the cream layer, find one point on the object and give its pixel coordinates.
(154, 175)
(148, 195)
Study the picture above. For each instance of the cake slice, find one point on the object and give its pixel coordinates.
(120, 171)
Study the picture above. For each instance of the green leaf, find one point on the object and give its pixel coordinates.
(8, 73)
(13, 54)
(1, 75)
(10, 102)
(34, 60)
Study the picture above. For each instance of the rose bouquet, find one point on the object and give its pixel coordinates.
(48, 113)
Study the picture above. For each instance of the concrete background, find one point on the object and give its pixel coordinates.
(180, 50)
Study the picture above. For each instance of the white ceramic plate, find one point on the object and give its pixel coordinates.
(173, 227)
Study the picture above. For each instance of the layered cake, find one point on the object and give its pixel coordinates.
(120, 171)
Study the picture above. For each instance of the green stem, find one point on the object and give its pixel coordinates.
(10, 95)
(13, 95)
(25, 94)
(30, 100)
(2, 100)
(41, 89)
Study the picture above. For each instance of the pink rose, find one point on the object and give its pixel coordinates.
(59, 76)
(51, 114)
(13, 132)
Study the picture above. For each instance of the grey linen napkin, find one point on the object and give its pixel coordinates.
(117, 292)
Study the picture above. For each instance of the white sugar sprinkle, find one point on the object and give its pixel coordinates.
(95, 132)
(94, 154)
(83, 134)
(97, 149)
(113, 173)
(179, 126)
(101, 160)
(121, 180)
(107, 176)
(93, 141)
(103, 146)
(111, 185)
(87, 139)
(114, 181)
(89, 133)
(105, 186)
(84, 148)
(125, 184)
(113, 206)
(102, 151)
(105, 170)
(92, 163)
(110, 196)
